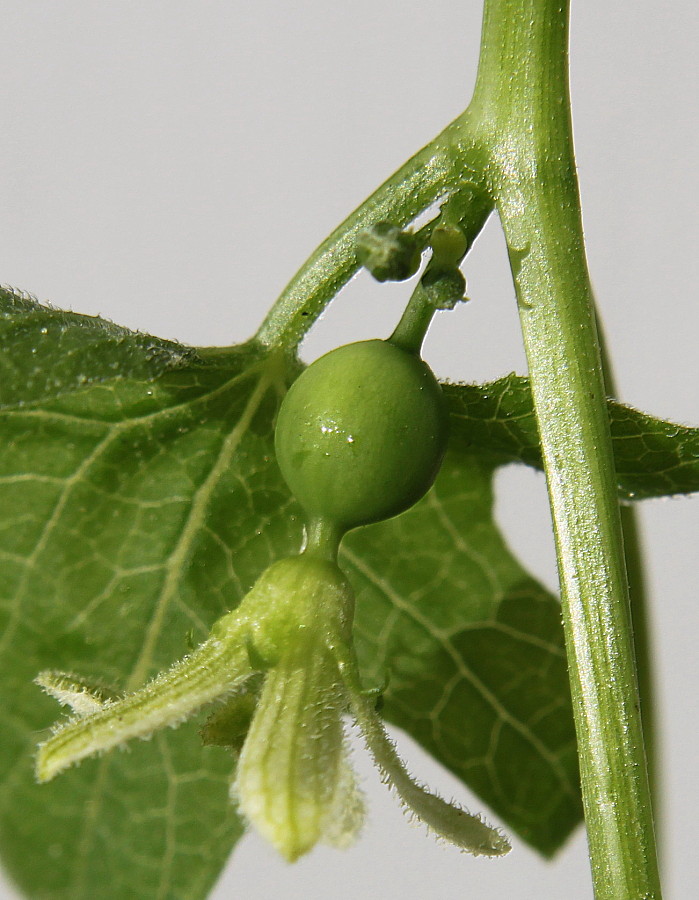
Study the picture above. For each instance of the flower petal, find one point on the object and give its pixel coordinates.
(345, 817)
(211, 671)
(80, 694)
(293, 781)
(449, 821)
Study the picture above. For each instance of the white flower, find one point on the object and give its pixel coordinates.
(294, 782)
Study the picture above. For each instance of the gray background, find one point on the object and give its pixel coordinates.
(169, 165)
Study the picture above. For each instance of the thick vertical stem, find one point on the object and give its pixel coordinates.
(641, 617)
(522, 96)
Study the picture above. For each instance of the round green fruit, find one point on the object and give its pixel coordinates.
(361, 433)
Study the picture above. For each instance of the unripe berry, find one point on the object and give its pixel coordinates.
(361, 433)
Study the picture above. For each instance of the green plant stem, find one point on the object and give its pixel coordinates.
(640, 616)
(450, 164)
(410, 331)
(323, 539)
(523, 102)
(643, 640)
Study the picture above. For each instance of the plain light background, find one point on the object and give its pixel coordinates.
(169, 165)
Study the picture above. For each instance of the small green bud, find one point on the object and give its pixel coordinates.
(387, 252)
(444, 288)
(449, 244)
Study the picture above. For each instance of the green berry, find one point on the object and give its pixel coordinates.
(361, 433)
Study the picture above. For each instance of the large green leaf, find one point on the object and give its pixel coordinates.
(472, 648)
(653, 458)
(139, 499)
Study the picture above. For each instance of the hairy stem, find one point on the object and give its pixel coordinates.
(523, 101)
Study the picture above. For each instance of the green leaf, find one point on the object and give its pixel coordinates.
(653, 457)
(48, 352)
(473, 651)
(140, 500)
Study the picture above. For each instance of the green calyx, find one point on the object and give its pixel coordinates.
(284, 718)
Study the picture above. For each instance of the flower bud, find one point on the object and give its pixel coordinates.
(387, 252)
